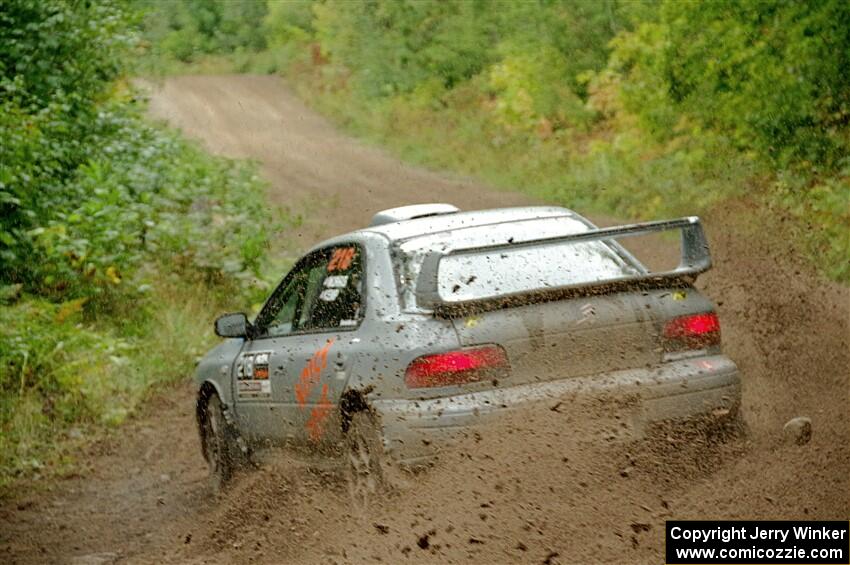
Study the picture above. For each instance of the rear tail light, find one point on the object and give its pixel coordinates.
(695, 331)
(457, 367)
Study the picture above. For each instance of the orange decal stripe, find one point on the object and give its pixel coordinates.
(318, 416)
(311, 374)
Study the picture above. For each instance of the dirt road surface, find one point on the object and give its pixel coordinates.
(550, 488)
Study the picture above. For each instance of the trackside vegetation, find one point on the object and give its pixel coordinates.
(638, 109)
(118, 238)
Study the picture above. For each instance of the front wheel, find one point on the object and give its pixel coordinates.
(218, 447)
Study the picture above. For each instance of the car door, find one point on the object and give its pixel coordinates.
(290, 376)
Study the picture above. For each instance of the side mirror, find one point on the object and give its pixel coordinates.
(233, 325)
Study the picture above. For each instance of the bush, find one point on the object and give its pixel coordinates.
(48, 111)
(67, 371)
(191, 29)
(89, 188)
(771, 74)
(119, 240)
(146, 195)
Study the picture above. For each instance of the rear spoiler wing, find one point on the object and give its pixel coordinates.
(695, 259)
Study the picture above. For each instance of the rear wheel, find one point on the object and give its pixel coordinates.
(219, 447)
(364, 457)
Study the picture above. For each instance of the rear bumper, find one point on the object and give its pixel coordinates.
(414, 429)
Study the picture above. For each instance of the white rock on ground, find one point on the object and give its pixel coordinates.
(798, 430)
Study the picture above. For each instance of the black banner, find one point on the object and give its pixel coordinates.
(761, 542)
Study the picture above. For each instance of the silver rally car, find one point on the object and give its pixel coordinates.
(382, 343)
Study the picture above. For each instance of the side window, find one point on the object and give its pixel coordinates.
(333, 292)
(282, 323)
(285, 306)
(324, 292)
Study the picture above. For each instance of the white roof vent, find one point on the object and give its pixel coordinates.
(411, 213)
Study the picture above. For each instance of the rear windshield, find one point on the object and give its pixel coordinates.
(525, 268)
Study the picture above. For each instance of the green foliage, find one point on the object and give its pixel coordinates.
(56, 61)
(141, 194)
(637, 109)
(631, 108)
(59, 51)
(123, 238)
(65, 373)
(288, 22)
(189, 29)
(51, 357)
(770, 80)
(822, 218)
(530, 92)
(772, 75)
(391, 47)
(89, 188)
(399, 47)
(146, 195)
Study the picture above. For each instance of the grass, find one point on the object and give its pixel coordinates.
(93, 370)
(263, 62)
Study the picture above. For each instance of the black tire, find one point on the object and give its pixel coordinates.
(364, 460)
(218, 445)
